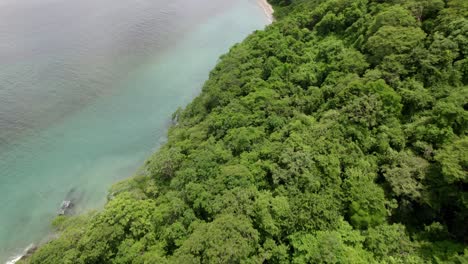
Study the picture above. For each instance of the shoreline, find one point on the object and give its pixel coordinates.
(267, 9)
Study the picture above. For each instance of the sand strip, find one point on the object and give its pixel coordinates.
(267, 8)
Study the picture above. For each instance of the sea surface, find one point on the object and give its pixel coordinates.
(87, 89)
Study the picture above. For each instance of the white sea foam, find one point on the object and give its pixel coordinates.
(15, 259)
(28, 250)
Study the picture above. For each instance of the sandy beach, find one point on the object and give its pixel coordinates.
(267, 8)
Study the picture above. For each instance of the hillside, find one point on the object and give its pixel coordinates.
(336, 135)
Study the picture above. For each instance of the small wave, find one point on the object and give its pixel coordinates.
(14, 259)
(26, 252)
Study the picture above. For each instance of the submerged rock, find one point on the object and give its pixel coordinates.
(65, 208)
(73, 197)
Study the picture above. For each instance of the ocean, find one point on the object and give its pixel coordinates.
(87, 90)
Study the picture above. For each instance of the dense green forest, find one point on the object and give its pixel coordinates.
(336, 135)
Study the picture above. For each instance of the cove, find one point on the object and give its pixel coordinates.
(87, 90)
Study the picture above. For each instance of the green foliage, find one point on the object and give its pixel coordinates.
(366, 199)
(389, 40)
(228, 239)
(454, 161)
(336, 135)
(341, 246)
(391, 243)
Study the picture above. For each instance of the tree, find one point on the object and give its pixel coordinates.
(228, 239)
(394, 40)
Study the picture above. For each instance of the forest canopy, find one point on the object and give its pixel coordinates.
(336, 135)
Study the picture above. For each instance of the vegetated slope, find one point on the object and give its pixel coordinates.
(337, 135)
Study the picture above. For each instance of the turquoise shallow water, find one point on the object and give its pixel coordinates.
(87, 90)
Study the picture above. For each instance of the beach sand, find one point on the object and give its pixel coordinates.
(267, 8)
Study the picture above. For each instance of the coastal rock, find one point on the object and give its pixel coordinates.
(29, 250)
(65, 208)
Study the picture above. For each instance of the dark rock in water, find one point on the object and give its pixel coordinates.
(73, 197)
(30, 250)
(65, 208)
